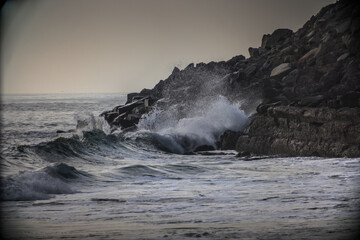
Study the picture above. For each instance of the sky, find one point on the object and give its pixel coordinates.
(88, 46)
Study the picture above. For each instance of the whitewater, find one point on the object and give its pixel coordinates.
(66, 174)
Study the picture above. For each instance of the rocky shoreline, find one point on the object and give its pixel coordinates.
(304, 85)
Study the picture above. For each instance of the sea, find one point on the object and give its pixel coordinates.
(65, 174)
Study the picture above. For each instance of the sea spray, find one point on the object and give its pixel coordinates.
(88, 122)
(203, 129)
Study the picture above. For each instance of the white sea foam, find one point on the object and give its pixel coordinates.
(204, 128)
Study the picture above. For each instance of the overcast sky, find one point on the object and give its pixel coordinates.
(76, 46)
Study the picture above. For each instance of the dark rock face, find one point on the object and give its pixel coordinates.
(303, 131)
(228, 140)
(305, 87)
(276, 38)
(311, 99)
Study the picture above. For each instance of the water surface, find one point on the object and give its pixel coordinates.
(61, 180)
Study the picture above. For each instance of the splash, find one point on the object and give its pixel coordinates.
(185, 135)
(88, 122)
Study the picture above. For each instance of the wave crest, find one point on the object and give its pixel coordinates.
(38, 185)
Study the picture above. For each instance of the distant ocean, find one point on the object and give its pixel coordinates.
(65, 174)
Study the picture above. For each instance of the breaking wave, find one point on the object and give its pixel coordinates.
(93, 143)
(39, 185)
(189, 134)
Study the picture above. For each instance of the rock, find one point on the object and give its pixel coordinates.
(204, 148)
(290, 79)
(175, 70)
(350, 99)
(234, 60)
(250, 71)
(130, 97)
(277, 37)
(254, 52)
(312, 101)
(342, 57)
(343, 27)
(270, 94)
(243, 154)
(128, 115)
(228, 140)
(130, 106)
(280, 70)
(303, 131)
(190, 66)
(310, 55)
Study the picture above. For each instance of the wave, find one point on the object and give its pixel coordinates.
(93, 139)
(39, 185)
(85, 146)
(142, 170)
(167, 171)
(93, 144)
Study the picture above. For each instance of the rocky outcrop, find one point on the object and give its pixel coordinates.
(127, 116)
(311, 98)
(303, 131)
(304, 85)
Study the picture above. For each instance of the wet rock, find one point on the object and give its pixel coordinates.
(204, 148)
(128, 115)
(243, 154)
(228, 140)
(303, 131)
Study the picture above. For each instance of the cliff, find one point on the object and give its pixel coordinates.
(304, 85)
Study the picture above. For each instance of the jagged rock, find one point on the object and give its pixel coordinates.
(175, 70)
(254, 52)
(130, 97)
(128, 115)
(277, 37)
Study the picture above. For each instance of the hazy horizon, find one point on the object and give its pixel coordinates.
(89, 46)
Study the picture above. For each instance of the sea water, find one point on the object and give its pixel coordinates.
(65, 174)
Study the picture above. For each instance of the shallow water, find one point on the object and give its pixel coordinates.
(93, 184)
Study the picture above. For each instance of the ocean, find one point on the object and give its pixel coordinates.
(66, 175)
